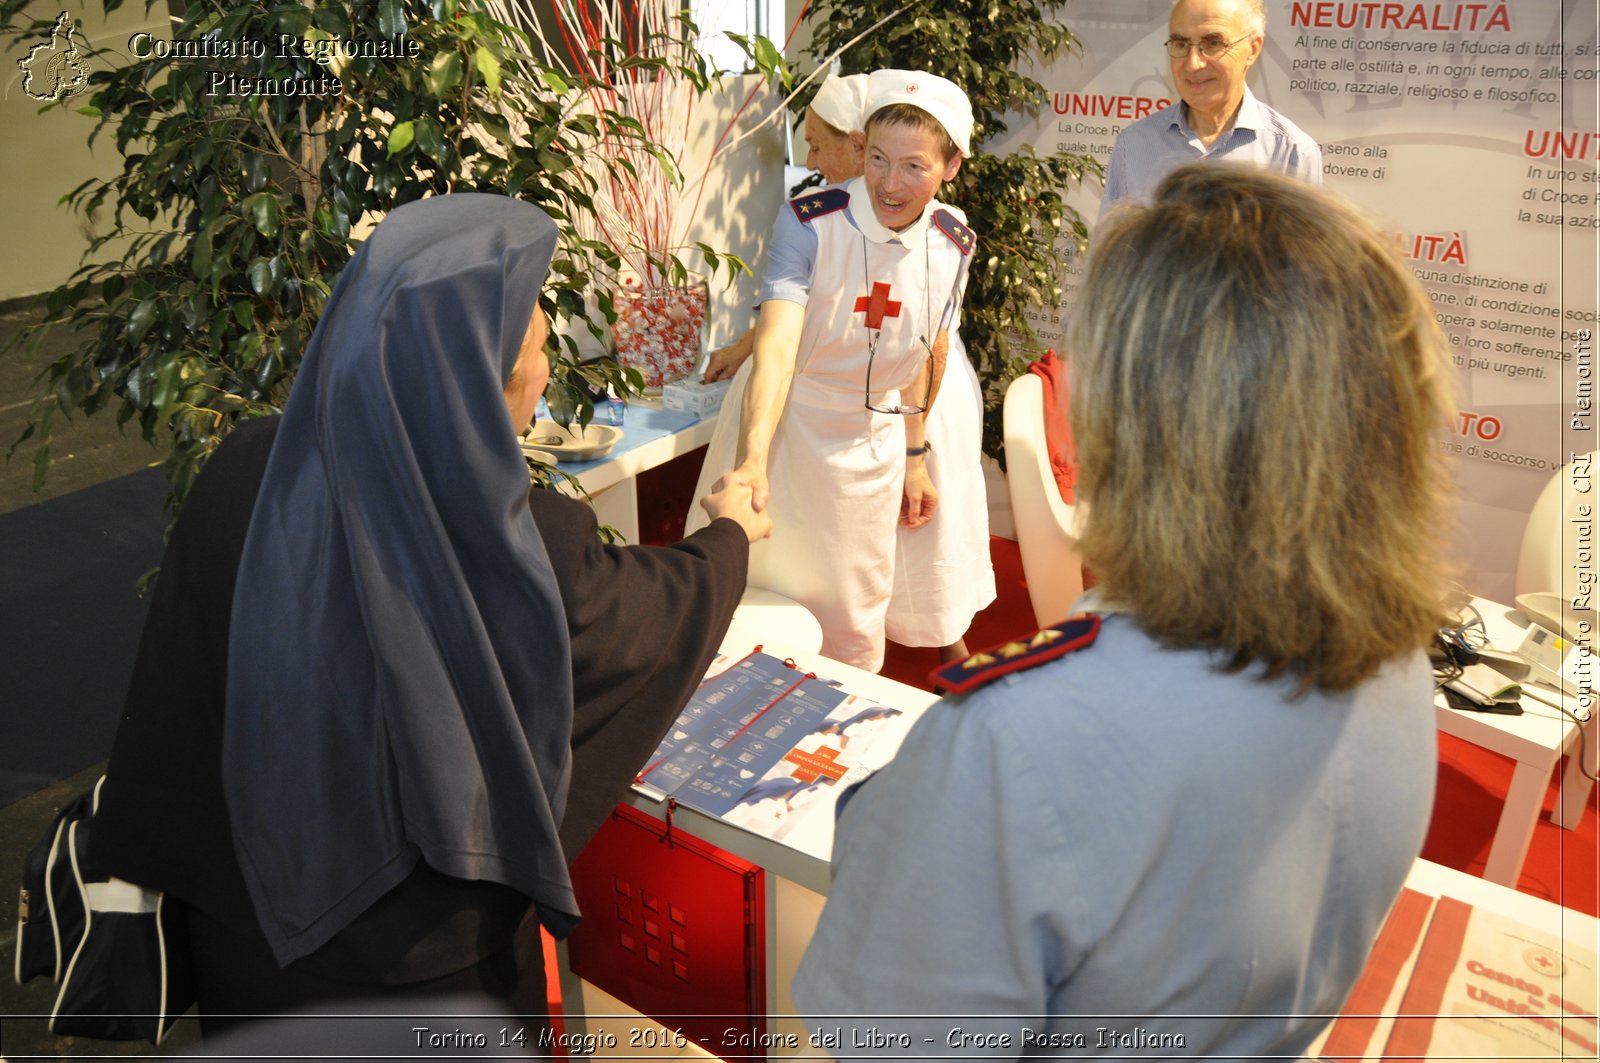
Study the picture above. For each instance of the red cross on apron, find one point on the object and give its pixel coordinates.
(878, 306)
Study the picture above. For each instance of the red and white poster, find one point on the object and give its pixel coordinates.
(1449, 982)
(1469, 131)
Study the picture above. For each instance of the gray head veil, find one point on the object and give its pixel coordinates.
(399, 682)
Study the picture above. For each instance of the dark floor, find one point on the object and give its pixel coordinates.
(87, 451)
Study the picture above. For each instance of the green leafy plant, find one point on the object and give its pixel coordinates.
(639, 62)
(605, 47)
(1014, 202)
(246, 181)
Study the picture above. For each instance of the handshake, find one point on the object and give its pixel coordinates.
(741, 497)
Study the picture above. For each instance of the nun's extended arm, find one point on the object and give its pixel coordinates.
(644, 622)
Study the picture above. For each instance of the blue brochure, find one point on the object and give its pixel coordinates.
(738, 725)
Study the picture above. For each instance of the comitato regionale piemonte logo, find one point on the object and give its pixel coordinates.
(56, 69)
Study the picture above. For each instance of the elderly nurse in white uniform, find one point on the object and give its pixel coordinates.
(861, 282)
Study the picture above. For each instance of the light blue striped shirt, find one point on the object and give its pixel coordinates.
(1153, 147)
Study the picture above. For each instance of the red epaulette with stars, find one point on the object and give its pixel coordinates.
(1043, 645)
(814, 205)
(959, 234)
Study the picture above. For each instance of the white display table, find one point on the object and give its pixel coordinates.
(797, 880)
(1535, 741)
(651, 436)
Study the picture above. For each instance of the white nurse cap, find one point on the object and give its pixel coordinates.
(842, 102)
(939, 96)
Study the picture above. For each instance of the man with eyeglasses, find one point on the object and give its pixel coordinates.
(1211, 44)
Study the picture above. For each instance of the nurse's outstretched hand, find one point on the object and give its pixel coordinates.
(733, 500)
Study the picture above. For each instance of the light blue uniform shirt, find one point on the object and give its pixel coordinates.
(1122, 852)
(791, 259)
(1154, 146)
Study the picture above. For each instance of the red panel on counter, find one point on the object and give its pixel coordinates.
(673, 927)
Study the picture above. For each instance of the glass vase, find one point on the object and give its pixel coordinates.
(659, 330)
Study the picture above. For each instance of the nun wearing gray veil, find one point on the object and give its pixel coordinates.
(384, 693)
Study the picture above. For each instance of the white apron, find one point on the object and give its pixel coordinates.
(835, 468)
(942, 571)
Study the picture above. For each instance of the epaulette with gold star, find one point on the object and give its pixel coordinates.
(814, 205)
(1043, 645)
(959, 234)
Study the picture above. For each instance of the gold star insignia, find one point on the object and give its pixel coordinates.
(977, 660)
(805, 208)
(1045, 638)
(1013, 649)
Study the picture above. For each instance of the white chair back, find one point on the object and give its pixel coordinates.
(1550, 538)
(1045, 524)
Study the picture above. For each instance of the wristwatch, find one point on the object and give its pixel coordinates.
(917, 452)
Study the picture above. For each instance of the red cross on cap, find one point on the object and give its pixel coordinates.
(913, 87)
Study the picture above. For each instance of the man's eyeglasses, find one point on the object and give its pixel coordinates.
(1210, 46)
(902, 408)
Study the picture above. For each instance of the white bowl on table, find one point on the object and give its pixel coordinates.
(570, 444)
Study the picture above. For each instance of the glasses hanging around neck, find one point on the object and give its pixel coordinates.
(873, 334)
(900, 408)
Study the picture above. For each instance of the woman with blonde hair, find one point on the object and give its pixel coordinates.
(1196, 803)
(1257, 395)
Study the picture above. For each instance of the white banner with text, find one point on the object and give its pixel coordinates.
(1469, 131)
